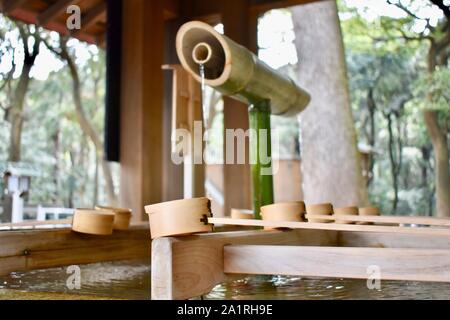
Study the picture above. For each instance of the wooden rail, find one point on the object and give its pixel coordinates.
(429, 221)
(330, 226)
(338, 262)
(24, 250)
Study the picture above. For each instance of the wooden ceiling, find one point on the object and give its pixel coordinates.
(52, 15)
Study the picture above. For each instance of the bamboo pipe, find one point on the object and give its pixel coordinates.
(202, 53)
(235, 71)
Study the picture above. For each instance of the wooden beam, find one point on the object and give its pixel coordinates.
(8, 6)
(172, 173)
(91, 17)
(236, 176)
(142, 100)
(40, 249)
(193, 9)
(171, 9)
(335, 262)
(188, 267)
(261, 6)
(392, 240)
(186, 110)
(199, 8)
(100, 40)
(30, 18)
(54, 10)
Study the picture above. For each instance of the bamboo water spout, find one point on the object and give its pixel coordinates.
(216, 61)
(235, 71)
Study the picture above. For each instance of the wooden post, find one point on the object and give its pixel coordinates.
(172, 173)
(186, 111)
(142, 105)
(237, 178)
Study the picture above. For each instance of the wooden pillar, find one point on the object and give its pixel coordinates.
(142, 105)
(172, 173)
(237, 186)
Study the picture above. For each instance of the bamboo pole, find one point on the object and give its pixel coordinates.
(259, 117)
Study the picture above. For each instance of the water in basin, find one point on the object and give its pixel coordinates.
(131, 280)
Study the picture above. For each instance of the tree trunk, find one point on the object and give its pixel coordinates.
(71, 182)
(371, 105)
(437, 134)
(56, 151)
(331, 167)
(425, 167)
(441, 157)
(95, 196)
(394, 164)
(16, 114)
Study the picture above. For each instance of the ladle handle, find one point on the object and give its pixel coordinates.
(387, 219)
(327, 226)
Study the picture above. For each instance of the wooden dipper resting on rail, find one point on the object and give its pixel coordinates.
(122, 216)
(191, 216)
(90, 221)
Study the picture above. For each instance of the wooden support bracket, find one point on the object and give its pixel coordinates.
(188, 267)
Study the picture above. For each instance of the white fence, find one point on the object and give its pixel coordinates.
(49, 213)
(42, 213)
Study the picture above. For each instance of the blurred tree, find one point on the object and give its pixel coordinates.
(63, 51)
(23, 57)
(388, 67)
(331, 165)
(436, 118)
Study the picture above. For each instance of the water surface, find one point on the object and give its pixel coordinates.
(131, 280)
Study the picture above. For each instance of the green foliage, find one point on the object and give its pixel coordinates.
(433, 91)
(388, 57)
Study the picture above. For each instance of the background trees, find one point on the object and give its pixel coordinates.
(21, 61)
(398, 73)
(52, 138)
(398, 66)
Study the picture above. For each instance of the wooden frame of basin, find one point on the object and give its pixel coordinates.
(23, 250)
(187, 267)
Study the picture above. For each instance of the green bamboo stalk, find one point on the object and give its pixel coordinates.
(262, 184)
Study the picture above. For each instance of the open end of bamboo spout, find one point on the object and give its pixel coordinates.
(199, 44)
(202, 53)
